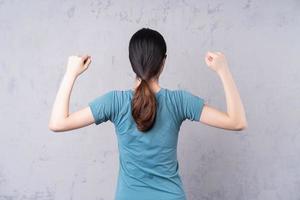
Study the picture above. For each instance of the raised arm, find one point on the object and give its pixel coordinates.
(234, 118)
(60, 119)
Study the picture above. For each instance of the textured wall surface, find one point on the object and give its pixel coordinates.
(260, 40)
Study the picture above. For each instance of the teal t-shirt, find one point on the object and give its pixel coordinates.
(148, 165)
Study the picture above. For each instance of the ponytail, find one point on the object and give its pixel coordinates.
(144, 107)
(147, 51)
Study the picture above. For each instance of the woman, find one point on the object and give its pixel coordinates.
(147, 118)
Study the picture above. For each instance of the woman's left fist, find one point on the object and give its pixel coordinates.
(78, 64)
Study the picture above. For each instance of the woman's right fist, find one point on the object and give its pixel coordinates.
(78, 64)
(216, 61)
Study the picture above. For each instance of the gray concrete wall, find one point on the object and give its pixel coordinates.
(260, 40)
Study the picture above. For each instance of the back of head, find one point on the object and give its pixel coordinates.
(147, 49)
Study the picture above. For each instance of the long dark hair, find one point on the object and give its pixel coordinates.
(147, 49)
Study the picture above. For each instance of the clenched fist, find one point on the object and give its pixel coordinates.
(78, 64)
(216, 61)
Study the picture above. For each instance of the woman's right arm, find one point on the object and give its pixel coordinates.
(234, 118)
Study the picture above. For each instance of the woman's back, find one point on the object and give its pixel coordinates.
(148, 161)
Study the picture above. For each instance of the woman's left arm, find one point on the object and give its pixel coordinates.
(60, 119)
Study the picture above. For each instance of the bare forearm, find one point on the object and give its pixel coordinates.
(60, 110)
(235, 108)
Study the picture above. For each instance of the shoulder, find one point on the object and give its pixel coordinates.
(178, 93)
(119, 97)
(184, 92)
(108, 96)
(117, 93)
(183, 96)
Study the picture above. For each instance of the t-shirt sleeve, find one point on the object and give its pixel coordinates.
(191, 106)
(103, 107)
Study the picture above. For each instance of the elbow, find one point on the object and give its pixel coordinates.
(52, 127)
(241, 126)
(57, 125)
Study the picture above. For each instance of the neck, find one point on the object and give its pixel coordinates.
(154, 85)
